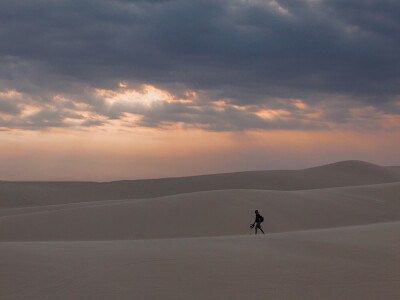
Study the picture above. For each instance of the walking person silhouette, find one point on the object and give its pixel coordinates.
(259, 219)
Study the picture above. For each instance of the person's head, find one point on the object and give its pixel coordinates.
(256, 211)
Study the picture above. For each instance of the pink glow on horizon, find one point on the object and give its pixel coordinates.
(149, 153)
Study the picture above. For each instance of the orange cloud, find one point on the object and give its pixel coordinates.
(299, 104)
(271, 114)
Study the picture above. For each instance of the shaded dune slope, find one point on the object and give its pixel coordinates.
(347, 173)
(394, 169)
(201, 214)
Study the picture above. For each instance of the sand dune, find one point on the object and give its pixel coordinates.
(347, 173)
(360, 262)
(394, 168)
(198, 214)
(332, 233)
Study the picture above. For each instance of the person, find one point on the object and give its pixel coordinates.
(258, 221)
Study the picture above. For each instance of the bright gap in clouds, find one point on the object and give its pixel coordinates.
(146, 96)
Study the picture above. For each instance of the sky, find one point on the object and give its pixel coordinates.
(105, 90)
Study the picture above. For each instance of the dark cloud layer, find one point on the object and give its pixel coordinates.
(336, 55)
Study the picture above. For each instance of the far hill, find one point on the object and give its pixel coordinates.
(346, 173)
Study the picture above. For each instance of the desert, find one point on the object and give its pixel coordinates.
(327, 237)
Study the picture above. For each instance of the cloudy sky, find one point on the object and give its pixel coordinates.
(124, 89)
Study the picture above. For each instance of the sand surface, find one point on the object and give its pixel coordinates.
(331, 238)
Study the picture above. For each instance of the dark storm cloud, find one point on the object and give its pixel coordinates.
(251, 52)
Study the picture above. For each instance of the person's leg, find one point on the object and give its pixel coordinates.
(262, 230)
(257, 226)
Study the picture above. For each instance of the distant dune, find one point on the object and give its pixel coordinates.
(347, 173)
(395, 169)
(332, 232)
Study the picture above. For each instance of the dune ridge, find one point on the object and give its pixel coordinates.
(347, 173)
(211, 213)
